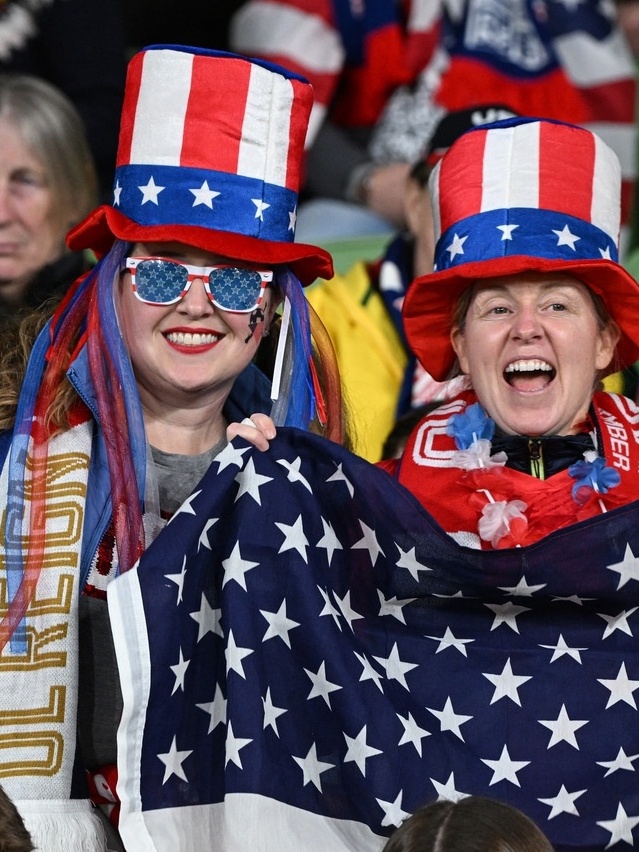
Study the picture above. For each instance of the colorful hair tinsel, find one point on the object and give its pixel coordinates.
(119, 410)
(39, 388)
(299, 393)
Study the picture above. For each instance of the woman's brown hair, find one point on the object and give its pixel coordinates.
(473, 824)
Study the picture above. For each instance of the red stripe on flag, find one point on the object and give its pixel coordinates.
(132, 93)
(466, 174)
(222, 93)
(556, 172)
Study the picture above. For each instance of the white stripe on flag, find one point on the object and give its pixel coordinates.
(266, 129)
(160, 115)
(505, 183)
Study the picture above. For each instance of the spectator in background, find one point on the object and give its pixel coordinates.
(78, 46)
(385, 73)
(472, 824)
(47, 185)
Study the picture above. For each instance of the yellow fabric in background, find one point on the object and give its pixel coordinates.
(370, 355)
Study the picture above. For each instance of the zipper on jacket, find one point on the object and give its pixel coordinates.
(536, 458)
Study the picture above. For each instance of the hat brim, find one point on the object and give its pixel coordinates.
(100, 228)
(431, 299)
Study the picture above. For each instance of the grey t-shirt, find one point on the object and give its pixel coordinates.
(178, 475)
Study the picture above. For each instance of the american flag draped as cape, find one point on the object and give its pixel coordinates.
(306, 657)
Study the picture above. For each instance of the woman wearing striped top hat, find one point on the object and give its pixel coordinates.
(129, 390)
(528, 299)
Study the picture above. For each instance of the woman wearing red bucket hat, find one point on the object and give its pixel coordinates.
(130, 388)
(527, 299)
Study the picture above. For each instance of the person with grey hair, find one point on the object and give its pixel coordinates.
(48, 184)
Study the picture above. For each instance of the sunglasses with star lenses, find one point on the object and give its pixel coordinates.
(164, 281)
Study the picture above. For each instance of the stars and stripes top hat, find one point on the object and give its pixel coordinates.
(522, 195)
(210, 155)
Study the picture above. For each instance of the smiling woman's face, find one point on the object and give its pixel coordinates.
(190, 350)
(532, 345)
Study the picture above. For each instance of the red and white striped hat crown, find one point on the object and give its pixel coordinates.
(521, 195)
(210, 154)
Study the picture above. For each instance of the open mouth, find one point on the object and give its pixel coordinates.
(529, 375)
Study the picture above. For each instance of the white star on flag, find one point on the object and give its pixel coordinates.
(178, 579)
(340, 476)
(563, 728)
(235, 567)
(234, 656)
(261, 206)
(506, 231)
(233, 747)
(456, 247)
(523, 589)
(395, 668)
(561, 649)
(186, 507)
(230, 455)
(449, 640)
(368, 542)
(322, 687)
(279, 624)
(150, 192)
(621, 688)
(622, 761)
(359, 751)
(250, 482)
(628, 568)
(117, 191)
(216, 709)
(346, 609)
(448, 790)
(506, 614)
(409, 561)
(204, 195)
(566, 238)
(203, 540)
(329, 541)
(413, 734)
(506, 684)
(173, 760)
(292, 219)
(620, 827)
(312, 768)
(207, 618)
(294, 538)
(294, 474)
(368, 672)
(271, 712)
(179, 670)
(393, 813)
(505, 769)
(617, 622)
(563, 803)
(449, 720)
